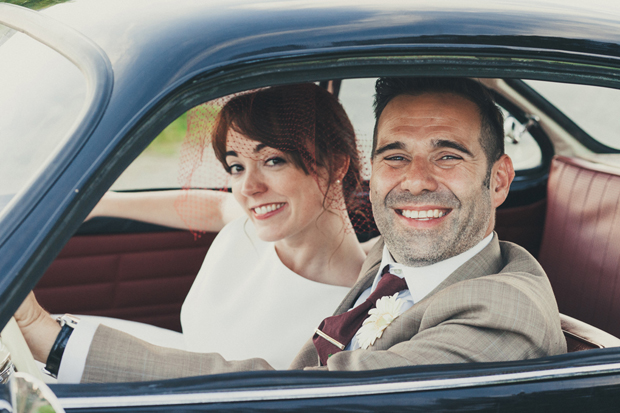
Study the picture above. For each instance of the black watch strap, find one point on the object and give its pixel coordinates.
(67, 323)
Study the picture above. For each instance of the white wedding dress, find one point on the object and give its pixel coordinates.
(245, 303)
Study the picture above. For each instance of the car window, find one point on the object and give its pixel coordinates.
(594, 109)
(45, 106)
(157, 166)
(357, 97)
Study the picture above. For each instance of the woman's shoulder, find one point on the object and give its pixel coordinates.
(238, 235)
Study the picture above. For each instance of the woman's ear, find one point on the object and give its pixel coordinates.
(342, 168)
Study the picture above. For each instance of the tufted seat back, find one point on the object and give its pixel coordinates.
(580, 248)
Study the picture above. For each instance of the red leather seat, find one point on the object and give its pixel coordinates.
(580, 249)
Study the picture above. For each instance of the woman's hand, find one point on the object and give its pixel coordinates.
(39, 329)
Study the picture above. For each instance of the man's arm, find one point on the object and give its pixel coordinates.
(482, 320)
(118, 357)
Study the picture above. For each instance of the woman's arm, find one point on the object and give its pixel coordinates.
(38, 328)
(158, 207)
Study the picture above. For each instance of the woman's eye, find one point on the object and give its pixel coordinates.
(235, 169)
(274, 161)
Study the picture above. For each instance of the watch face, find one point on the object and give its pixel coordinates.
(68, 320)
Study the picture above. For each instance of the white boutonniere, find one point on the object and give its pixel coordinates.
(387, 310)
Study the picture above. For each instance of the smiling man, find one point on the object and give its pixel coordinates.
(438, 174)
(431, 180)
(438, 288)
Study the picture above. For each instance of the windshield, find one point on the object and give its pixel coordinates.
(38, 106)
(594, 109)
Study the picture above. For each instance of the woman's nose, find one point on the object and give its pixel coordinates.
(419, 177)
(253, 183)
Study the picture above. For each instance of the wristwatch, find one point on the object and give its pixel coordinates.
(67, 324)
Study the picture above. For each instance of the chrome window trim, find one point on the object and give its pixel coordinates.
(333, 391)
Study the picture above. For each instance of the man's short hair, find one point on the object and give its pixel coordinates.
(492, 120)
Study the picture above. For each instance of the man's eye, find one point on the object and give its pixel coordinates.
(450, 157)
(394, 158)
(275, 161)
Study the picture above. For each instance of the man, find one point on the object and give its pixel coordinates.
(456, 294)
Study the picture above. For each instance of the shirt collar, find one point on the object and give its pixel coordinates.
(423, 280)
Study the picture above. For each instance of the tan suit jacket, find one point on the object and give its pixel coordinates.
(497, 306)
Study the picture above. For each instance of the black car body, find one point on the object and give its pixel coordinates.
(144, 63)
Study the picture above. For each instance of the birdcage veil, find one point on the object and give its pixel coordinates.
(304, 121)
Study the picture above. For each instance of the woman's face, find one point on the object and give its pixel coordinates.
(280, 199)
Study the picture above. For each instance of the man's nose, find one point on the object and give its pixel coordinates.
(253, 183)
(419, 177)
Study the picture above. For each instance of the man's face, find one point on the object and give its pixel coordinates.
(427, 185)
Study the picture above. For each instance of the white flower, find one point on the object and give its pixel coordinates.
(387, 310)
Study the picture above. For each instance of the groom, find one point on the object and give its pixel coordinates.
(445, 289)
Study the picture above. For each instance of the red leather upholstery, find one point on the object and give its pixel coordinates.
(140, 277)
(581, 243)
(522, 225)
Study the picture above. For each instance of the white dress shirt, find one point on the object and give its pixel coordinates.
(420, 280)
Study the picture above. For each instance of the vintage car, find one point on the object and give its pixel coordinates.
(87, 85)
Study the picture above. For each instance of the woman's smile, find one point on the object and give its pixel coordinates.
(265, 211)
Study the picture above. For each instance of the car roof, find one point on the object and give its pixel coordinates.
(155, 45)
(164, 41)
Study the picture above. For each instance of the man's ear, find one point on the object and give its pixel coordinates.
(502, 175)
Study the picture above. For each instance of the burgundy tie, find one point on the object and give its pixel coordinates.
(342, 327)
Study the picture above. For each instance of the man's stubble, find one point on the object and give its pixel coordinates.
(463, 228)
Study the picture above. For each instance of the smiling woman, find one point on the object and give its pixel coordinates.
(291, 157)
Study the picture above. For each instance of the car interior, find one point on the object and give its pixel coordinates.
(563, 208)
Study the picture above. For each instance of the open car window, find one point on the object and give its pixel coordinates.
(592, 108)
(175, 261)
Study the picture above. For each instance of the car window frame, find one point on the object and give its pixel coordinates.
(208, 86)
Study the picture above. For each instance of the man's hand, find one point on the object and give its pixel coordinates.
(38, 328)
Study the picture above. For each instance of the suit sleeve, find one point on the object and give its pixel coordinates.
(115, 356)
(482, 320)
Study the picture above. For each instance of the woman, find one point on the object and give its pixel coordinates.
(272, 275)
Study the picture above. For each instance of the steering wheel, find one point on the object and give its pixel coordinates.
(21, 356)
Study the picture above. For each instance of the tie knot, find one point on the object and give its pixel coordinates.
(389, 284)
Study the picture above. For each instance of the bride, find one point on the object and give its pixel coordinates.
(272, 274)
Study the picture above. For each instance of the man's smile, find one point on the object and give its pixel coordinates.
(423, 215)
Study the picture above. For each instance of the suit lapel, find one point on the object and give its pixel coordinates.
(486, 262)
